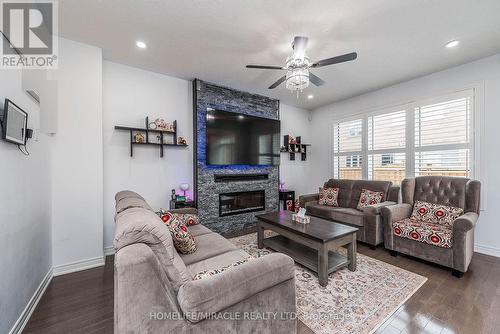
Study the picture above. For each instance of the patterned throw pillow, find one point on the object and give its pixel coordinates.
(369, 197)
(210, 273)
(328, 196)
(435, 213)
(187, 218)
(183, 240)
(291, 206)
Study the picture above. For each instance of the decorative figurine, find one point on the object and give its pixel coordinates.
(181, 141)
(139, 137)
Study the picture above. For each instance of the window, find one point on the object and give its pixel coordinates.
(442, 138)
(386, 146)
(347, 149)
(432, 137)
(353, 161)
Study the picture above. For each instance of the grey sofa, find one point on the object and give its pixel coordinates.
(155, 291)
(368, 220)
(451, 191)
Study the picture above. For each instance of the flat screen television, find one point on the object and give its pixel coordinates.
(14, 123)
(237, 139)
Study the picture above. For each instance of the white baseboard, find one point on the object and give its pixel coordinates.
(30, 307)
(487, 250)
(78, 266)
(109, 250)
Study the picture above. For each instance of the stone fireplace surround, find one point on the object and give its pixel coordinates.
(211, 181)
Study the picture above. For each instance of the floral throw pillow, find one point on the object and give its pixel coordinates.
(328, 196)
(183, 240)
(293, 206)
(435, 213)
(188, 218)
(369, 197)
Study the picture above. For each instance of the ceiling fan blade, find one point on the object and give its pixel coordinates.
(277, 83)
(299, 47)
(316, 80)
(336, 60)
(265, 67)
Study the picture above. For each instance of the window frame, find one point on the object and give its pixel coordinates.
(410, 149)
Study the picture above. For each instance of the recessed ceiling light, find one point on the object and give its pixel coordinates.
(452, 44)
(310, 96)
(141, 45)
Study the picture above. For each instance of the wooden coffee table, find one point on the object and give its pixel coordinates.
(313, 245)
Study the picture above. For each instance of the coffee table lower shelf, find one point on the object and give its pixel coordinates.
(306, 256)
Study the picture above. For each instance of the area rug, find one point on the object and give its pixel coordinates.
(353, 302)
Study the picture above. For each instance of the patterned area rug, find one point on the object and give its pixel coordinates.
(353, 302)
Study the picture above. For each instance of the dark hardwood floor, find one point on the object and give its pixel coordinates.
(83, 302)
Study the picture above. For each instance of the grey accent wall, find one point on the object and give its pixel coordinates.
(207, 95)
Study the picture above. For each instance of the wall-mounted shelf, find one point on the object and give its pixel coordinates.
(294, 148)
(147, 131)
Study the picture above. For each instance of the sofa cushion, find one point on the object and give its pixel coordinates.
(328, 196)
(435, 213)
(208, 245)
(369, 197)
(341, 215)
(197, 230)
(318, 210)
(348, 216)
(131, 202)
(217, 261)
(139, 225)
(440, 235)
(126, 193)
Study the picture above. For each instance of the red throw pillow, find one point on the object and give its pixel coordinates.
(296, 205)
(183, 240)
(328, 196)
(187, 218)
(369, 197)
(435, 213)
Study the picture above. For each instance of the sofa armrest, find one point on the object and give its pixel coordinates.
(396, 212)
(465, 222)
(375, 209)
(201, 297)
(303, 199)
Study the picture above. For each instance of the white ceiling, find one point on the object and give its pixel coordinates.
(396, 40)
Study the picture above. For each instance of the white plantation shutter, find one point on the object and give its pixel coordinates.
(431, 137)
(347, 147)
(443, 137)
(387, 146)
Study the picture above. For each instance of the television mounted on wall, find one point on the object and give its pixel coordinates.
(14, 123)
(240, 139)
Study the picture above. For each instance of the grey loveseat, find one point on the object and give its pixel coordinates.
(450, 191)
(368, 220)
(155, 291)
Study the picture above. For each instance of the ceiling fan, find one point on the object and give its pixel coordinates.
(297, 67)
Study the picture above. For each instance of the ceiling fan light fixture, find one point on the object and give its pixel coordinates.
(297, 79)
(297, 73)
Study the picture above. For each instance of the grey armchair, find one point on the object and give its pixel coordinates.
(450, 191)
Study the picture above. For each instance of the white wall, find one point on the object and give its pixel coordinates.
(131, 94)
(25, 197)
(484, 74)
(77, 157)
(295, 173)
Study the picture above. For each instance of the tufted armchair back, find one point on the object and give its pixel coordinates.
(452, 191)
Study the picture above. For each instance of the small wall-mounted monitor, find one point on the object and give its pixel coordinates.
(14, 123)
